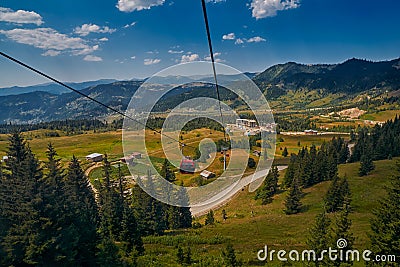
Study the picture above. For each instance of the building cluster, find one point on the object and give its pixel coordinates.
(251, 127)
(129, 160)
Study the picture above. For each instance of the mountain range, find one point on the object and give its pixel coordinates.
(52, 88)
(49, 102)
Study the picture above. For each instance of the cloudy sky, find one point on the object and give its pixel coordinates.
(124, 39)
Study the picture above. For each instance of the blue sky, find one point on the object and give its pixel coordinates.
(123, 39)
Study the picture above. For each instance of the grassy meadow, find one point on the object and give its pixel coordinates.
(250, 225)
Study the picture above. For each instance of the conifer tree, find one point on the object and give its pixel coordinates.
(108, 252)
(180, 255)
(166, 171)
(293, 204)
(318, 239)
(210, 218)
(341, 230)
(57, 246)
(269, 187)
(20, 204)
(385, 224)
(83, 212)
(229, 256)
(179, 216)
(285, 152)
(366, 164)
(149, 212)
(112, 207)
(338, 192)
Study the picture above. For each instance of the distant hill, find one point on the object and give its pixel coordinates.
(42, 106)
(345, 80)
(51, 87)
(352, 76)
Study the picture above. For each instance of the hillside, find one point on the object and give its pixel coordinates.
(286, 86)
(51, 87)
(352, 76)
(42, 106)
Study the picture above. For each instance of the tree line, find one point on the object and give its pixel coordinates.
(70, 127)
(313, 165)
(50, 216)
(380, 142)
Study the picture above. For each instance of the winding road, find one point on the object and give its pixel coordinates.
(225, 196)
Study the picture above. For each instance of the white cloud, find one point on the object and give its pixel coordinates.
(150, 61)
(50, 40)
(130, 25)
(269, 8)
(104, 39)
(51, 53)
(229, 36)
(256, 39)
(132, 5)
(216, 59)
(189, 58)
(215, 1)
(20, 16)
(133, 57)
(85, 29)
(175, 51)
(92, 58)
(239, 41)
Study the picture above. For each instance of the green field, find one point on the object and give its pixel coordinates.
(250, 225)
(381, 115)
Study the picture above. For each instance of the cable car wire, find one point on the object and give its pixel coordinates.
(203, 2)
(89, 97)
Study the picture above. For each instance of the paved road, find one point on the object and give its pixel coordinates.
(225, 196)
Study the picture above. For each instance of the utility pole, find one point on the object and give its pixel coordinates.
(224, 149)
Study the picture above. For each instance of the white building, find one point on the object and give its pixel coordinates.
(246, 123)
(207, 174)
(95, 157)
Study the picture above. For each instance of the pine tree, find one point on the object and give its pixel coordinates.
(130, 233)
(285, 152)
(149, 212)
(20, 206)
(385, 224)
(83, 210)
(332, 197)
(366, 164)
(269, 187)
(290, 171)
(341, 230)
(108, 252)
(112, 205)
(318, 239)
(251, 163)
(188, 256)
(180, 256)
(210, 218)
(293, 204)
(166, 171)
(57, 248)
(338, 192)
(230, 257)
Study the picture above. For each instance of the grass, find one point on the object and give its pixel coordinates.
(291, 142)
(381, 115)
(251, 225)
